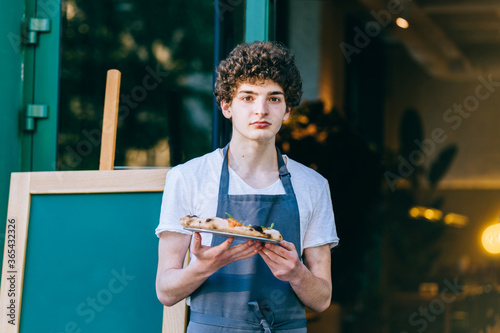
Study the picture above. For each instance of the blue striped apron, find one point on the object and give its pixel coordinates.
(244, 296)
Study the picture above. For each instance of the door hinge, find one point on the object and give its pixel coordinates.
(34, 111)
(35, 26)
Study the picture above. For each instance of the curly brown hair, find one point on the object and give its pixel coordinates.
(256, 62)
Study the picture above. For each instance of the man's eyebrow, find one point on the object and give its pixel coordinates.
(251, 92)
(255, 93)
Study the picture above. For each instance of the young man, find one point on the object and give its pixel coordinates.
(246, 286)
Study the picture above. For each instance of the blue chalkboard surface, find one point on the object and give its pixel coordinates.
(91, 263)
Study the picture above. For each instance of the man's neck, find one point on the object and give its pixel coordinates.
(255, 163)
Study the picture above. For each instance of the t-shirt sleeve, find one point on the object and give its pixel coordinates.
(322, 229)
(175, 203)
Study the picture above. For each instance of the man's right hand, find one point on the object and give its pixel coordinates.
(223, 254)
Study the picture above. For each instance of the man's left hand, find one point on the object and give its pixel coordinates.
(282, 259)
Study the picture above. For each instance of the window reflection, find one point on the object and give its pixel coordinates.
(164, 51)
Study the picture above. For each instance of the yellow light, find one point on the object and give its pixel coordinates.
(428, 289)
(456, 220)
(402, 23)
(420, 212)
(414, 212)
(433, 214)
(491, 238)
(303, 119)
(429, 214)
(70, 11)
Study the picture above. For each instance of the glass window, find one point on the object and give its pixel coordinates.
(164, 51)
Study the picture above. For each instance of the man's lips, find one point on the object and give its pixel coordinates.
(261, 124)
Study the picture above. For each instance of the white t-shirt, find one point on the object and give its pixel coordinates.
(192, 188)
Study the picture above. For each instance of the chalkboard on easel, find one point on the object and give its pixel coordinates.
(94, 257)
(85, 252)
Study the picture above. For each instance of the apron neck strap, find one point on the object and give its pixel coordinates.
(281, 165)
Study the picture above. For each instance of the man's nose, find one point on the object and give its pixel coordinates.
(261, 106)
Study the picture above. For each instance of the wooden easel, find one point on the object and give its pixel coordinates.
(110, 120)
(174, 318)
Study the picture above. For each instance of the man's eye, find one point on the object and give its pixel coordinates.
(275, 99)
(247, 98)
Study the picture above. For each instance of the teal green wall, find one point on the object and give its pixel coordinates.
(11, 60)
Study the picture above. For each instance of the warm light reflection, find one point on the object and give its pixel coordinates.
(402, 23)
(303, 119)
(163, 54)
(491, 238)
(128, 41)
(70, 11)
(414, 212)
(434, 215)
(456, 220)
(428, 289)
(157, 156)
(431, 214)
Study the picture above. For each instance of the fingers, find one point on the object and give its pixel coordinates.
(240, 251)
(225, 252)
(196, 243)
(275, 263)
(280, 254)
(287, 245)
(245, 250)
(282, 249)
(282, 259)
(224, 246)
(273, 254)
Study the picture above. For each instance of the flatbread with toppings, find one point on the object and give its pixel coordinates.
(230, 226)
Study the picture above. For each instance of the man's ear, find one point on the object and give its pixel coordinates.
(287, 114)
(226, 109)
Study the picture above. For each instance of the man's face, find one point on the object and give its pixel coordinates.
(257, 111)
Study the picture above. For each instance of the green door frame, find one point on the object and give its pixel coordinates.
(260, 20)
(41, 87)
